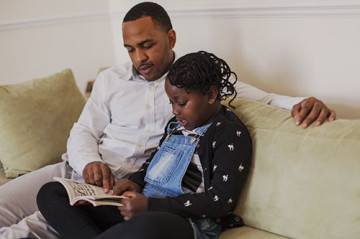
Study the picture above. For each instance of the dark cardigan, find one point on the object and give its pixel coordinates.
(225, 154)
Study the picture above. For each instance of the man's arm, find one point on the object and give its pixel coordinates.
(85, 137)
(304, 110)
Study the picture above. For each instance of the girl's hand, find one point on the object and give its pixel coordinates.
(124, 185)
(135, 204)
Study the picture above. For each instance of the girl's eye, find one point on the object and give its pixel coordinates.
(179, 104)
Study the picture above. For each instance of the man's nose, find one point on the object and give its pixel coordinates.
(140, 56)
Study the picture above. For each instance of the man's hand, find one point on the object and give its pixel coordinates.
(310, 110)
(123, 185)
(98, 173)
(135, 204)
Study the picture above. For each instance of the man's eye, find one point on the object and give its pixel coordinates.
(182, 104)
(148, 46)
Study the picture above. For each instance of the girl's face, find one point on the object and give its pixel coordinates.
(192, 109)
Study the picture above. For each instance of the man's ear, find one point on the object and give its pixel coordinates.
(171, 36)
(212, 94)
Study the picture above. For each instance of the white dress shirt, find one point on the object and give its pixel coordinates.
(122, 122)
(125, 116)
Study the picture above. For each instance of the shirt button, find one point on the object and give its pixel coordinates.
(148, 107)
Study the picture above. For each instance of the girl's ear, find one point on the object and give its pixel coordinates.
(212, 94)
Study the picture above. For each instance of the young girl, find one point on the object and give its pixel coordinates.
(188, 188)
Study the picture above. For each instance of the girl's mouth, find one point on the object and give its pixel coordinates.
(183, 123)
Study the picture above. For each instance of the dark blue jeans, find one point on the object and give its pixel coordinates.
(106, 221)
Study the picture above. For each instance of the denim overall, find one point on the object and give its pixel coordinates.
(167, 169)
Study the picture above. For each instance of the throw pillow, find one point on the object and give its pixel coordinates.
(35, 121)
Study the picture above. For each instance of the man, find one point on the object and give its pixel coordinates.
(124, 119)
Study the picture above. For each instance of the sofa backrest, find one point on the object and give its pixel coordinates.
(304, 183)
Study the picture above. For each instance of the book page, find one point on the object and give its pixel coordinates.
(79, 191)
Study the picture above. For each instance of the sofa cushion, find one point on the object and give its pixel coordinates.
(248, 233)
(304, 183)
(35, 120)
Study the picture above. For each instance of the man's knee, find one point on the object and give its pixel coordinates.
(18, 196)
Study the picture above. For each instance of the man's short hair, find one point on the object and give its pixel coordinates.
(157, 13)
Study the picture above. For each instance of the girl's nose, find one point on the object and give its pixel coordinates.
(175, 110)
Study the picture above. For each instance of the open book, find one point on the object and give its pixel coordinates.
(81, 193)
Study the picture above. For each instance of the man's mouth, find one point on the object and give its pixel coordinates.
(145, 69)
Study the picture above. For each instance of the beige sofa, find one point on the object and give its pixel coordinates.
(303, 183)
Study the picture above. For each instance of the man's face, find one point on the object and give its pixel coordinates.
(192, 109)
(149, 47)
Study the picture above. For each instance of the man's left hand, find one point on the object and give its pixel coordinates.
(310, 110)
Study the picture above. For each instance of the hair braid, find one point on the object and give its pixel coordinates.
(201, 70)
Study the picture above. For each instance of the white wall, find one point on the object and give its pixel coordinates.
(40, 37)
(298, 48)
(293, 47)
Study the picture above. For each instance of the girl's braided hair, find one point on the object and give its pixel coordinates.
(199, 71)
